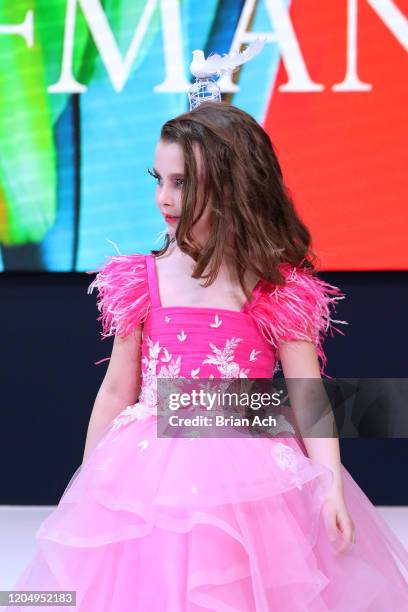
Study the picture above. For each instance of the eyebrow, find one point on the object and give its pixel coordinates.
(173, 175)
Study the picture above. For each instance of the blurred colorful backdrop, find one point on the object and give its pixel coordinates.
(85, 86)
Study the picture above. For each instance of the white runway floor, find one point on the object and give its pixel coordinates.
(18, 525)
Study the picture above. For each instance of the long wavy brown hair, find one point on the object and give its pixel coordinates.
(251, 207)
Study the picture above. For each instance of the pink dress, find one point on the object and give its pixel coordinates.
(223, 524)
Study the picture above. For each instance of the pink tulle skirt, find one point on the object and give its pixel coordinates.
(227, 524)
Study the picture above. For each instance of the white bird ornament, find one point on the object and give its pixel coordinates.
(204, 87)
(216, 64)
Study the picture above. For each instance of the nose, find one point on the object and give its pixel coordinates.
(164, 197)
(166, 200)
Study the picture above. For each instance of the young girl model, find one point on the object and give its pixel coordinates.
(229, 524)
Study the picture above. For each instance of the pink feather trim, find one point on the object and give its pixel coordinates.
(123, 300)
(298, 310)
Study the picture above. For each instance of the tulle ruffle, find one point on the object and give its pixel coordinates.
(186, 525)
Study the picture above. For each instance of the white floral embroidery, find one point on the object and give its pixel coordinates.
(143, 444)
(217, 322)
(167, 319)
(253, 355)
(285, 458)
(160, 363)
(146, 405)
(129, 414)
(172, 370)
(224, 360)
(148, 394)
(182, 336)
(167, 355)
(208, 387)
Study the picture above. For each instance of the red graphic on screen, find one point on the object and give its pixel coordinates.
(344, 154)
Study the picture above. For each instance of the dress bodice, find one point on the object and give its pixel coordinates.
(204, 342)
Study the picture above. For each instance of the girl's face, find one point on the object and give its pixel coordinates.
(169, 172)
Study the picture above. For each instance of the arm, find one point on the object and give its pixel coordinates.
(120, 386)
(299, 360)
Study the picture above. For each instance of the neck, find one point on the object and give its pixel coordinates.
(226, 271)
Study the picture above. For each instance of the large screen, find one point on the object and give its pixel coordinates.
(85, 86)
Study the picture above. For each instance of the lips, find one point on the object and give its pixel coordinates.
(171, 219)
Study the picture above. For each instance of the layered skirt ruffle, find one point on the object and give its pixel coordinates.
(226, 524)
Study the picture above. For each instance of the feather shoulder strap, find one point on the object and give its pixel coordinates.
(123, 294)
(301, 309)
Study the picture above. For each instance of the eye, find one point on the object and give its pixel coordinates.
(154, 175)
(178, 181)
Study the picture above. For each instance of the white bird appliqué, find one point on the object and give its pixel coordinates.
(217, 322)
(203, 68)
(167, 356)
